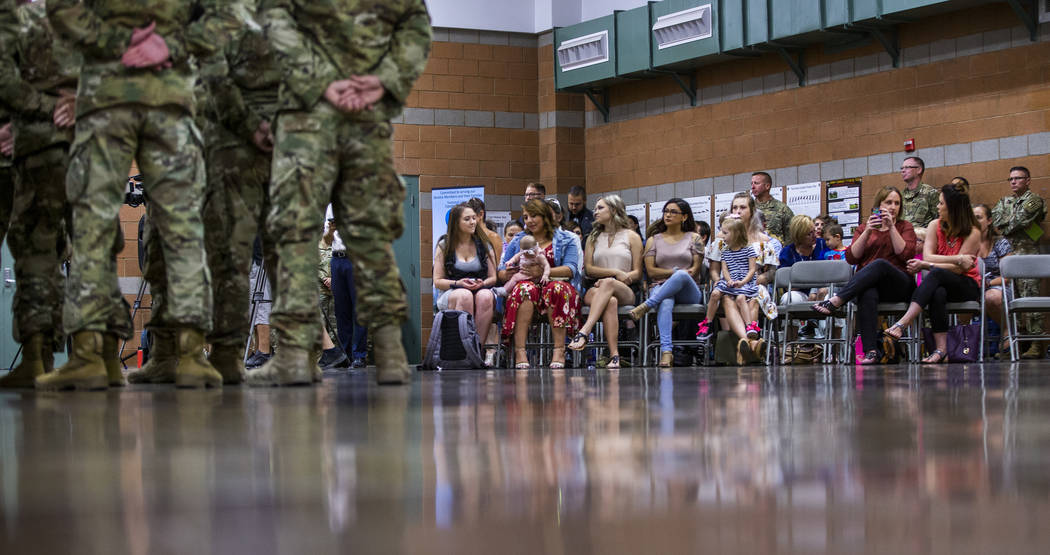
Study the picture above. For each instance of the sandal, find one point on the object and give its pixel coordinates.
(579, 341)
(614, 362)
(522, 365)
(941, 357)
(896, 336)
(825, 307)
(557, 365)
(870, 357)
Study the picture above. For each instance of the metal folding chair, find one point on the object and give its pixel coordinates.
(1023, 266)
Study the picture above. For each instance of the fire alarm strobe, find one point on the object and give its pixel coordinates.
(909, 145)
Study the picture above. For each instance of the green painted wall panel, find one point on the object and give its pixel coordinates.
(836, 12)
(730, 24)
(896, 6)
(757, 29)
(633, 33)
(791, 18)
(589, 74)
(865, 9)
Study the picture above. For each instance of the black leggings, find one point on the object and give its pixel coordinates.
(877, 282)
(941, 286)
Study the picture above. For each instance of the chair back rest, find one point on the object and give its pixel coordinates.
(1020, 266)
(782, 279)
(819, 273)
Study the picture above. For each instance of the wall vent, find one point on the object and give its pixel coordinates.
(681, 27)
(1043, 7)
(584, 51)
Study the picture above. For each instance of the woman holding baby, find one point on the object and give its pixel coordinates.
(529, 296)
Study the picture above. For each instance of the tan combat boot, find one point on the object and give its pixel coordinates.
(160, 368)
(85, 369)
(32, 365)
(1035, 350)
(229, 361)
(315, 369)
(391, 362)
(193, 369)
(290, 365)
(111, 356)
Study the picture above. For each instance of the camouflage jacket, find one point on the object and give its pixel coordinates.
(238, 89)
(7, 8)
(321, 42)
(919, 205)
(34, 69)
(1014, 214)
(101, 30)
(778, 216)
(324, 269)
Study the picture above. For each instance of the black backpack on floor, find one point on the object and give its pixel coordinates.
(453, 343)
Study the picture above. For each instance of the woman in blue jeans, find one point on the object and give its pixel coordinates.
(674, 256)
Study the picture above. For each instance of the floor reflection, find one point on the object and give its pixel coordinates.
(797, 460)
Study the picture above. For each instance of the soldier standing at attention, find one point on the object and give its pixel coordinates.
(777, 213)
(920, 200)
(348, 66)
(38, 80)
(135, 102)
(7, 143)
(1017, 218)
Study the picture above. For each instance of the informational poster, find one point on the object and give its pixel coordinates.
(723, 202)
(638, 211)
(777, 193)
(443, 200)
(656, 211)
(804, 198)
(844, 205)
(499, 219)
(701, 207)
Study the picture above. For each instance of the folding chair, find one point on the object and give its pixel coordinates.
(1023, 266)
(808, 275)
(772, 330)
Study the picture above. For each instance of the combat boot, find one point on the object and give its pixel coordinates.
(229, 361)
(289, 366)
(85, 369)
(316, 373)
(1035, 350)
(193, 370)
(391, 362)
(160, 368)
(111, 356)
(32, 365)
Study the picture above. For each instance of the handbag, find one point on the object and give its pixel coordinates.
(962, 345)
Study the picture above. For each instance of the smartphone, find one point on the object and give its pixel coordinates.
(876, 212)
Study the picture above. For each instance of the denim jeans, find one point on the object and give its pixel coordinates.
(679, 288)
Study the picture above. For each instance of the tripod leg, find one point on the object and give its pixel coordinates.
(134, 311)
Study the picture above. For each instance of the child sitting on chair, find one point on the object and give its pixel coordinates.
(738, 276)
(527, 259)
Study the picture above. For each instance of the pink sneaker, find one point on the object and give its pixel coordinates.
(753, 331)
(703, 331)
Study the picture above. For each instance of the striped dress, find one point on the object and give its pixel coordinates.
(737, 262)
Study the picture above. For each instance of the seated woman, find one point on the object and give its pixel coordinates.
(673, 260)
(880, 250)
(953, 241)
(993, 248)
(465, 269)
(613, 257)
(557, 299)
(805, 246)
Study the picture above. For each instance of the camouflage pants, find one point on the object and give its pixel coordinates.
(321, 157)
(327, 303)
(1029, 288)
(234, 207)
(38, 242)
(7, 192)
(167, 146)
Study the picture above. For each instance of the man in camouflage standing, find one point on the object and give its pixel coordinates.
(777, 213)
(1017, 217)
(237, 100)
(38, 79)
(920, 200)
(135, 102)
(348, 66)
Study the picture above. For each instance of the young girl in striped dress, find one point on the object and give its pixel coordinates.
(739, 268)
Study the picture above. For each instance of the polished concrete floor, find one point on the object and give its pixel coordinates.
(943, 459)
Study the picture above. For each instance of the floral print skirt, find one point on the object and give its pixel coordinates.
(558, 300)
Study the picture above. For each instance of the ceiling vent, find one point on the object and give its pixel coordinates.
(584, 51)
(682, 27)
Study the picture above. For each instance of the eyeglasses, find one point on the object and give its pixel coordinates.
(674, 212)
(909, 168)
(533, 195)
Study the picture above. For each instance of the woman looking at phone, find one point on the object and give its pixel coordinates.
(881, 250)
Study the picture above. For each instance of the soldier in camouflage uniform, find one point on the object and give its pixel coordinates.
(324, 294)
(38, 77)
(777, 213)
(919, 205)
(7, 175)
(348, 66)
(237, 100)
(1017, 217)
(135, 102)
